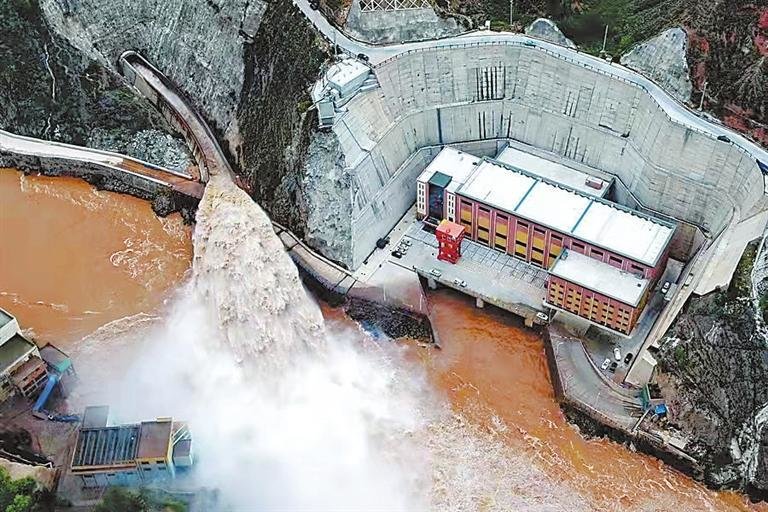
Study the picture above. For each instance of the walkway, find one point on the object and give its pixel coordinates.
(180, 181)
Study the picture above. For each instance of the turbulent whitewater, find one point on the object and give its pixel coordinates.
(288, 413)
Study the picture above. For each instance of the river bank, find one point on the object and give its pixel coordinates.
(491, 370)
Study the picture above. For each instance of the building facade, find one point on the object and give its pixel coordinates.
(525, 214)
(131, 454)
(604, 295)
(21, 368)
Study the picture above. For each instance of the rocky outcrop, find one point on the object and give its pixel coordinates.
(274, 124)
(395, 26)
(148, 145)
(549, 31)
(714, 376)
(50, 90)
(245, 64)
(327, 194)
(663, 59)
(201, 46)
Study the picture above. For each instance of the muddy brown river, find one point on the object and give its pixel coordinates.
(74, 259)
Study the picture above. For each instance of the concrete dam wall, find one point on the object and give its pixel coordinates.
(487, 92)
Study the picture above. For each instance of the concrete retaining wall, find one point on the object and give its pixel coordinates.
(165, 200)
(476, 93)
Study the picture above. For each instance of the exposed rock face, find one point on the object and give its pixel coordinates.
(663, 59)
(548, 30)
(50, 90)
(246, 67)
(147, 145)
(396, 26)
(199, 45)
(328, 198)
(273, 120)
(714, 376)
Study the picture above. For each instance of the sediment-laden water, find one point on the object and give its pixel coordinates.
(291, 411)
(74, 258)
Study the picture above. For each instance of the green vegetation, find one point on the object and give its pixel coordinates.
(681, 357)
(741, 284)
(119, 499)
(20, 495)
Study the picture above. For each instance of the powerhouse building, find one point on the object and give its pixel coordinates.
(131, 454)
(602, 258)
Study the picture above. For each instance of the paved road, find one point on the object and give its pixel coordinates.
(676, 111)
(582, 383)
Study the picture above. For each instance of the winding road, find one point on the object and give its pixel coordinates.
(378, 54)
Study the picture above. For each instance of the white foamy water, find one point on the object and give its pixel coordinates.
(287, 413)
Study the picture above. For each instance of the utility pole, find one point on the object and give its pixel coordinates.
(605, 40)
(703, 93)
(511, 11)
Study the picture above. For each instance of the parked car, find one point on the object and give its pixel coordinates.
(362, 56)
(460, 283)
(314, 6)
(613, 367)
(665, 288)
(617, 353)
(435, 272)
(397, 254)
(605, 364)
(542, 316)
(627, 358)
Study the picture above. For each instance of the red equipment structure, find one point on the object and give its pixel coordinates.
(449, 236)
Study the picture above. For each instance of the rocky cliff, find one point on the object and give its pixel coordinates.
(713, 372)
(245, 64)
(50, 90)
(663, 59)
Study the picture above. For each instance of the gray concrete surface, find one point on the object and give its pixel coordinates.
(490, 275)
(582, 384)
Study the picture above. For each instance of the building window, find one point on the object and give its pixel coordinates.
(636, 269)
(501, 229)
(614, 261)
(578, 247)
(421, 195)
(598, 255)
(466, 217)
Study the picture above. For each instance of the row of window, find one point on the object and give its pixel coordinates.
(590, 307)
(539, 253)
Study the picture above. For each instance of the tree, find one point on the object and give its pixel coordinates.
(17, 495)
(20, 503)
(117, 499)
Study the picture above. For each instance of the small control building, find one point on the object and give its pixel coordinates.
(21, 368)
(527, 214)
(449, 237)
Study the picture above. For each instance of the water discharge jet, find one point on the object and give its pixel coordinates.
(290, 413)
